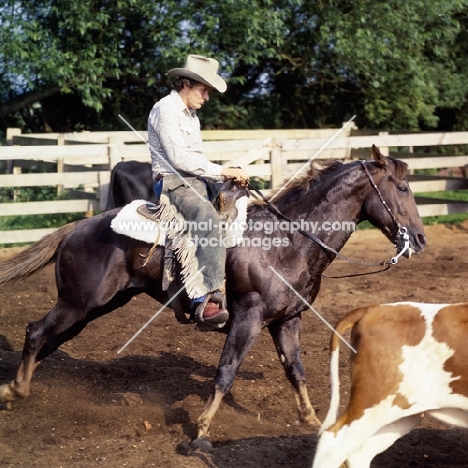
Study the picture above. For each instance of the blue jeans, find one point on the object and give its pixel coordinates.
(204, 227)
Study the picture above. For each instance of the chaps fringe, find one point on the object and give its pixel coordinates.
(184, 249)
(34, 258)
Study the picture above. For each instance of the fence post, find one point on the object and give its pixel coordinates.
(411, 151)
(276, 162)
(115, 150)
(103, 191)
(60, 164)
(10, 134)
(16, 192)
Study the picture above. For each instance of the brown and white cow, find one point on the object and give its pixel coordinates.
(411, 361)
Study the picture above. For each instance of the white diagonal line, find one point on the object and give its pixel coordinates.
(313, 310)
(160, 310)
(163, 160)
(313, 157)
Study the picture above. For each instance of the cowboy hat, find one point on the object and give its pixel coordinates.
(201, 69)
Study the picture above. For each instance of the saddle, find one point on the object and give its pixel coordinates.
(224, 201)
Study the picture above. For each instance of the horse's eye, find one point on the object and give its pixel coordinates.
(403, 189)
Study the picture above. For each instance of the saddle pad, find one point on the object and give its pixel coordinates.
(130, 223)
(235, 231)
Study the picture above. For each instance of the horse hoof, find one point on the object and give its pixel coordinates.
(202, 443)
(6, 393)
(8, 406)
(311, 420)
(315, 422)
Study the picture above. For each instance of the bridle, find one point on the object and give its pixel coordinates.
(402, 232)
(402, 236)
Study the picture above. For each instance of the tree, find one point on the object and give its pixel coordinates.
(396, 65)
(400, 55)
(66, 65)
(100, 58)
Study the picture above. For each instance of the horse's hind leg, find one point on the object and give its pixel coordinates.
(287, 338)
(42, 338)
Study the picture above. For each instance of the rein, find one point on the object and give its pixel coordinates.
(401, 234)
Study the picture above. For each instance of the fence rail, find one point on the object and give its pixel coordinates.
(83, 163)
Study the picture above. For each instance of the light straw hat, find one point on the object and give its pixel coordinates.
(201, 69)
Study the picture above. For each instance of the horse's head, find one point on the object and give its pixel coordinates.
(391, 206)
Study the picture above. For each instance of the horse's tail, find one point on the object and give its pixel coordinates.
(344, 324)
(34, 258)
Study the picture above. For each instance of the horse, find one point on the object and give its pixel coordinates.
(130, 180)
(98, 270)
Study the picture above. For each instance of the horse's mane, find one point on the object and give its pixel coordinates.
(318, 170)
(314, 172)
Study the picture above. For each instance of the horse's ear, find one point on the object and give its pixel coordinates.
(379, 158)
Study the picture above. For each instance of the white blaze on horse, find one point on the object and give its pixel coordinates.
(411, 361)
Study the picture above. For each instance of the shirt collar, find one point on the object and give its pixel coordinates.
(180, 104)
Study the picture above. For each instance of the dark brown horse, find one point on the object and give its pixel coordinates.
(130, 180)
(98, 270)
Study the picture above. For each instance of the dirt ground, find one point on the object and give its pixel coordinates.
(90, 406)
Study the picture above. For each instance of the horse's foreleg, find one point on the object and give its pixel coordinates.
(240, 340)
(205, 419)
(287, 338)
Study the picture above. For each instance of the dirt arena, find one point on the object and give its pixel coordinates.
(90, 406)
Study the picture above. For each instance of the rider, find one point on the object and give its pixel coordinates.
(177, 156)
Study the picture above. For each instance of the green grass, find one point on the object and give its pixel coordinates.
(456, 218)
(26, 194)
(455, 195)
(458, 195)
(39, 221)
(44, 221)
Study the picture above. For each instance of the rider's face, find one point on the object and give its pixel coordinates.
(195, 97)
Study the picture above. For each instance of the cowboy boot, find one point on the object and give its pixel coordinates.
(212, 312)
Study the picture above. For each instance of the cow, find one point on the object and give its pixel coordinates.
(410, 360)
(130, 180)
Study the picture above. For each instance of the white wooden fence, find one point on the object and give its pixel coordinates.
(85, 159)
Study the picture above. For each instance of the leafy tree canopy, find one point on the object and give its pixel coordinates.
(68, 65)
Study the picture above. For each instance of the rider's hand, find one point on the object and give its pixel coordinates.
(239, 175)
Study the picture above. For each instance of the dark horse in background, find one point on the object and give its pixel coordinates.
(98, 270)
(130, 180)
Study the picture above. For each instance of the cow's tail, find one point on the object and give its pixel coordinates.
(34, 258)
(344, 324)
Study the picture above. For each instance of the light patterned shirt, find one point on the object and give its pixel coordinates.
(175, 140)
